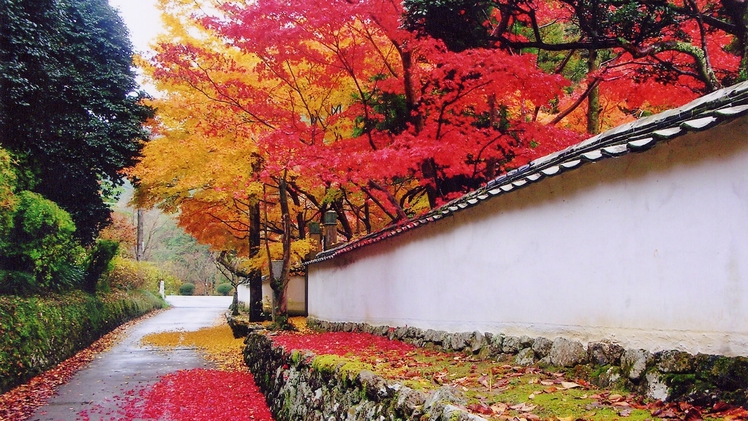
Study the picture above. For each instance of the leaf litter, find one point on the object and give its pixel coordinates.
(215, 343)
(497, 390)
(494, 390)
(20, 402)
(225, 393)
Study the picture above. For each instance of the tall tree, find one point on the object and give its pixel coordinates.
(632, 49)
(71, 108)
(375, 110)
(409, 97)
(343, 109)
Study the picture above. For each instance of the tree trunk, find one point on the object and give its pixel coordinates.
(428, 169)
(235, 302)
(255, 276)
(742, 34)
(279, 286)
(593, 99)
(737, 12)
(139, 246)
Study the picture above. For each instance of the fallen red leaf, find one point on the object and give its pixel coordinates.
(197, 395)
(693, 414)
(480, 408)
(344, 343)
(20, 403)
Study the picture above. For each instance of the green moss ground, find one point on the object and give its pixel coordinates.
(528, 393)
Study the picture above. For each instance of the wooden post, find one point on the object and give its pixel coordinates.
(315, 233)
(331, 229)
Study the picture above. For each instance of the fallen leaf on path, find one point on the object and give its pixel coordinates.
(20, 402)
(217, 344)
(196, 395)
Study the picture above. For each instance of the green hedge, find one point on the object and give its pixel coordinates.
(224, 289)
(36, 333)
(187, 289)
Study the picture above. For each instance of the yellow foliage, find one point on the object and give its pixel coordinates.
(216, 343)
(299, 323)
(129, 274)
(204, 159)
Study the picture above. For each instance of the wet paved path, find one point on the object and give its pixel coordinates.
(128, 365)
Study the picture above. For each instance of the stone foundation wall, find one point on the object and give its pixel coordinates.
(666, 375)
(303, 387)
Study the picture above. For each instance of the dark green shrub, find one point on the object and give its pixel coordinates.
(187, 289)
(8, 199)
(224, 289)
(99, 261)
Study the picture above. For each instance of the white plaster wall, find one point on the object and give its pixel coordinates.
(649, 250)
(243, 294)
(295, 295)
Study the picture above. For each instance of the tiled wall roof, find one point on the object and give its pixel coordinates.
(705, 112)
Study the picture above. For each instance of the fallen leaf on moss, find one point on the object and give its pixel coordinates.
(547, 382)
(570, 385)
(499, 408)
(615, 397)
(523, 407)
(344, 343)
(480, 408)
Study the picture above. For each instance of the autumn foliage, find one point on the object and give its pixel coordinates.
(273, 113)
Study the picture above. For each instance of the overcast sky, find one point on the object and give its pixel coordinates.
(144, 23)
(142, 19)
